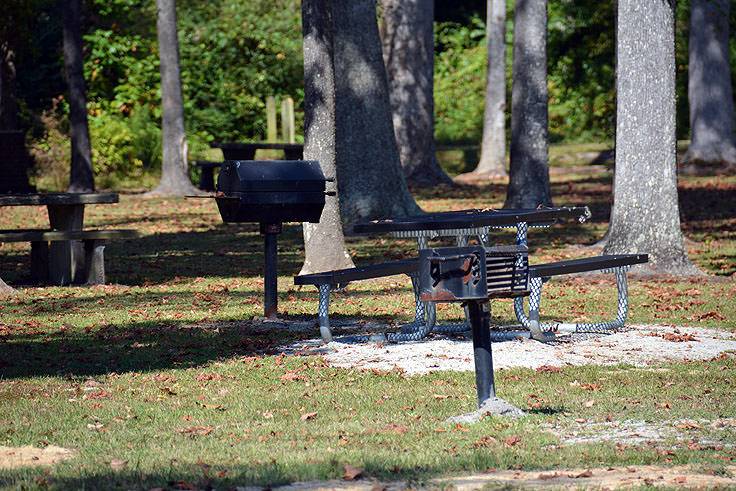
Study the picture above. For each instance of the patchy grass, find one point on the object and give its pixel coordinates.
(166, 377)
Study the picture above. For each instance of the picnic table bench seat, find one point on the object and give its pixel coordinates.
(541, 273)
(328, 281)
(42, 261)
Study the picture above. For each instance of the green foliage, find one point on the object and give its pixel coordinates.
(580, 54)
(123, 145)
(51, 152)
(235, 53)
(459, 81)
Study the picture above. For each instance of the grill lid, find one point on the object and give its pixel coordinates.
(271, 191)
(258, 176)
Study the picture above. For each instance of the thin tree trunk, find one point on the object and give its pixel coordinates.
(407, 36)
(81, 178)
(493, 148)
(371, 183)
(529, 168)
(174, 178)
(645, 216)
(710, 96)
(324, 242)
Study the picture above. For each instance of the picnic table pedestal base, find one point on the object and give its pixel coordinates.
(66, 258)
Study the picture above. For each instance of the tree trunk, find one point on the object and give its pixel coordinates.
(324, 243)
(5, 289)
(370, 179)
(713, 132)
(174, 178)
(645, 215)
(493, 148)
(529, 167)
(81, 179)
(407, 37)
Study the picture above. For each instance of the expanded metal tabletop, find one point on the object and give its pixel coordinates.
(470, 221)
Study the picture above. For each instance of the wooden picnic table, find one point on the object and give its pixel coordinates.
(65, 253)
(247, 150)
(242, 151)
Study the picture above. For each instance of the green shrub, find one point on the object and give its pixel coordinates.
(459, 81)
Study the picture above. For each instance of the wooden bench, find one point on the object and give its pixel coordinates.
(49, 265)
(338, 279)
(541, 273)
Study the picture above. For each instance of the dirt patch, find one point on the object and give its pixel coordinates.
(13, 457)
(598, 478)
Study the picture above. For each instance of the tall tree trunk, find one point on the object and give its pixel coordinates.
(493, 148)
(645, 216)
(710, 96)
(324, 242)
(370, 180)
(174, 178)
(81, 178)
(529, 168)
(407, 37)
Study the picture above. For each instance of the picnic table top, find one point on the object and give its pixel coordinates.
(256, 145)
(473, 218)
(37, 199)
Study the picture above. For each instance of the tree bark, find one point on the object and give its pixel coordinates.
(529, 167)
(370, 179)
(5, 289)
(407, 36)
(81, 179)
(645, 215)
(324, 242)
(493, 147)
(174, 178)
(710, 97)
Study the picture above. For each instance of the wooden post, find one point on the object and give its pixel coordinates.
(287, 120)
(272, 131)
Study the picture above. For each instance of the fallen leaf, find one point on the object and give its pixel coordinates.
(352, 472)
(307, 416)
(549, 476)
(587, 473)
(118, 464)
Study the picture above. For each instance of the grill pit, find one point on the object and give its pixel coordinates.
(269, 193)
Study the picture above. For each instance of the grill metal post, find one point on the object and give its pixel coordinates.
(480, 312)
(270, 232)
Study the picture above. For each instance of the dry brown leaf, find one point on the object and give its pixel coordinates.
(118, 464)
(352, 472)
(307, 416)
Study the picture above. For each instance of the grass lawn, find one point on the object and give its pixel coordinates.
(167, 376)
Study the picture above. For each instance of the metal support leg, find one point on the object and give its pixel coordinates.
(590, 327)
(324, 313)
(270, 233)
(480, 313)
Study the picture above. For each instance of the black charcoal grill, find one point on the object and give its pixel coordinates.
(473, 275)
(451, 274)
(270, 193)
